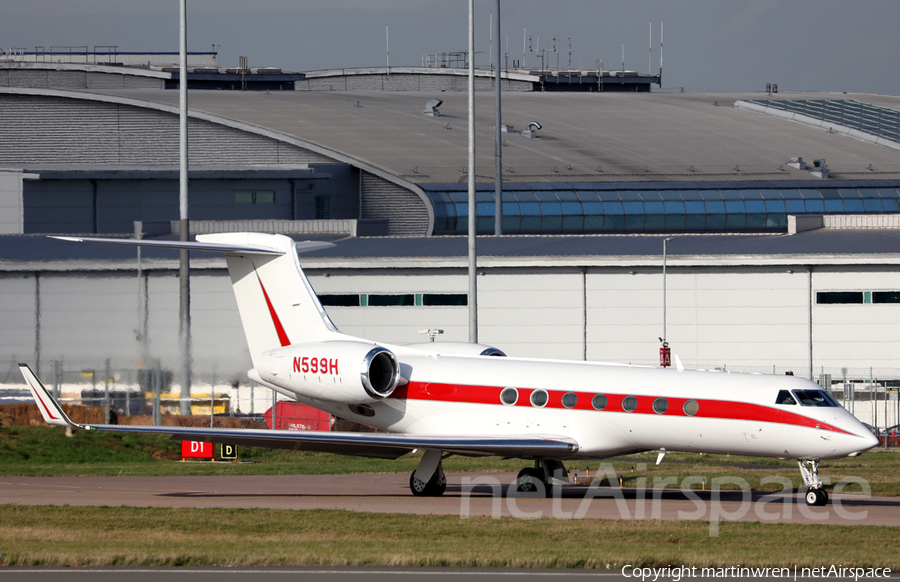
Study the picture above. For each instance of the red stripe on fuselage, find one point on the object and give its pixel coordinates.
(279, 329)
(722, 409)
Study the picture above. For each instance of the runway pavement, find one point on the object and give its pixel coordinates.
(466, 495)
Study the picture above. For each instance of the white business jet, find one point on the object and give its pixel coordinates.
(469, 399)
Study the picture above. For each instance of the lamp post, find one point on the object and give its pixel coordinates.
(473, 271)
(665, 354)
(184, 271)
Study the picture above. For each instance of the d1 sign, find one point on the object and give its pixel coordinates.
(196, 450)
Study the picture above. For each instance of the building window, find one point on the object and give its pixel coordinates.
(885, 296)
(391, 300)
(339, 300)
(839, 297)
(323, 207)
(448, 299)
(266, 197)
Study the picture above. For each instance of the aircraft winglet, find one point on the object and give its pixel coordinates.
(50, 410)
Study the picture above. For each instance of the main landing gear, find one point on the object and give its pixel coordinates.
(815, 492)
(428, 480)
(539, 479)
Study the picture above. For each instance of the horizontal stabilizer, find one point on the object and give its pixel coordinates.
(230, 243)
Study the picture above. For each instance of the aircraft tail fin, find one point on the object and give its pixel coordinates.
(50, 410)
(277, 304)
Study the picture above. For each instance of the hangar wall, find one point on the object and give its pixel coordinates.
(112, 206)
(737, 318)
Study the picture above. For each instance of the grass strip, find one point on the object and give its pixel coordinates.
(46, 451)
(119, 536)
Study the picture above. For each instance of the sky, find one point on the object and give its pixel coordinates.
(710, 45)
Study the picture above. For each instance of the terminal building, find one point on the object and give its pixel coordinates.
(781, 213)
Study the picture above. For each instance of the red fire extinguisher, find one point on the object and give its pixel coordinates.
(665, 355)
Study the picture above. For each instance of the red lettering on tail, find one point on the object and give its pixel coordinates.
(315, 365)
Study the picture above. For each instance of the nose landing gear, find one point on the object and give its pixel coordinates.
(816, 495)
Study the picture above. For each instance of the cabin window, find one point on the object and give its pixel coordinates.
(691, 407)
(539, 398)
(629, 404)
(569, 399)
(784, 397)
(660, 405)
(814, 398)
(509, 396)
(598, 402)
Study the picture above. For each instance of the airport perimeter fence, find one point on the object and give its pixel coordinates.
(129, 391)
(871, 394)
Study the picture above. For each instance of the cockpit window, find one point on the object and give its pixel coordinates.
(784, 397)
(814, 398)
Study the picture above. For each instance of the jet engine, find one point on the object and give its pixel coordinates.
(457, 349)
(349, 372)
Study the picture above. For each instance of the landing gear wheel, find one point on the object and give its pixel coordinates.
(530, 480)
(816, 497)
(435, 486)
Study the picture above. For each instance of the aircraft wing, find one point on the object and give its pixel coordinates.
(379, 445)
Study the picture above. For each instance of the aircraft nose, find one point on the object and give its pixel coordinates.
(864, 440)
(871, 439)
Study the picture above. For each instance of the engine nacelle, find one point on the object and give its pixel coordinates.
(349, 372)
(457, 349)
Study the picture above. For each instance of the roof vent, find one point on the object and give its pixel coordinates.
(531, 129)
(507, 129)
(797, 163)
(820, 169)
(431, 108)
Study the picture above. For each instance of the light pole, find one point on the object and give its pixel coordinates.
(665, 359)
(473, 271)
(184, 271)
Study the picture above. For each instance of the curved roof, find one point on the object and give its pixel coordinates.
(588, 141)
(600, 136)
